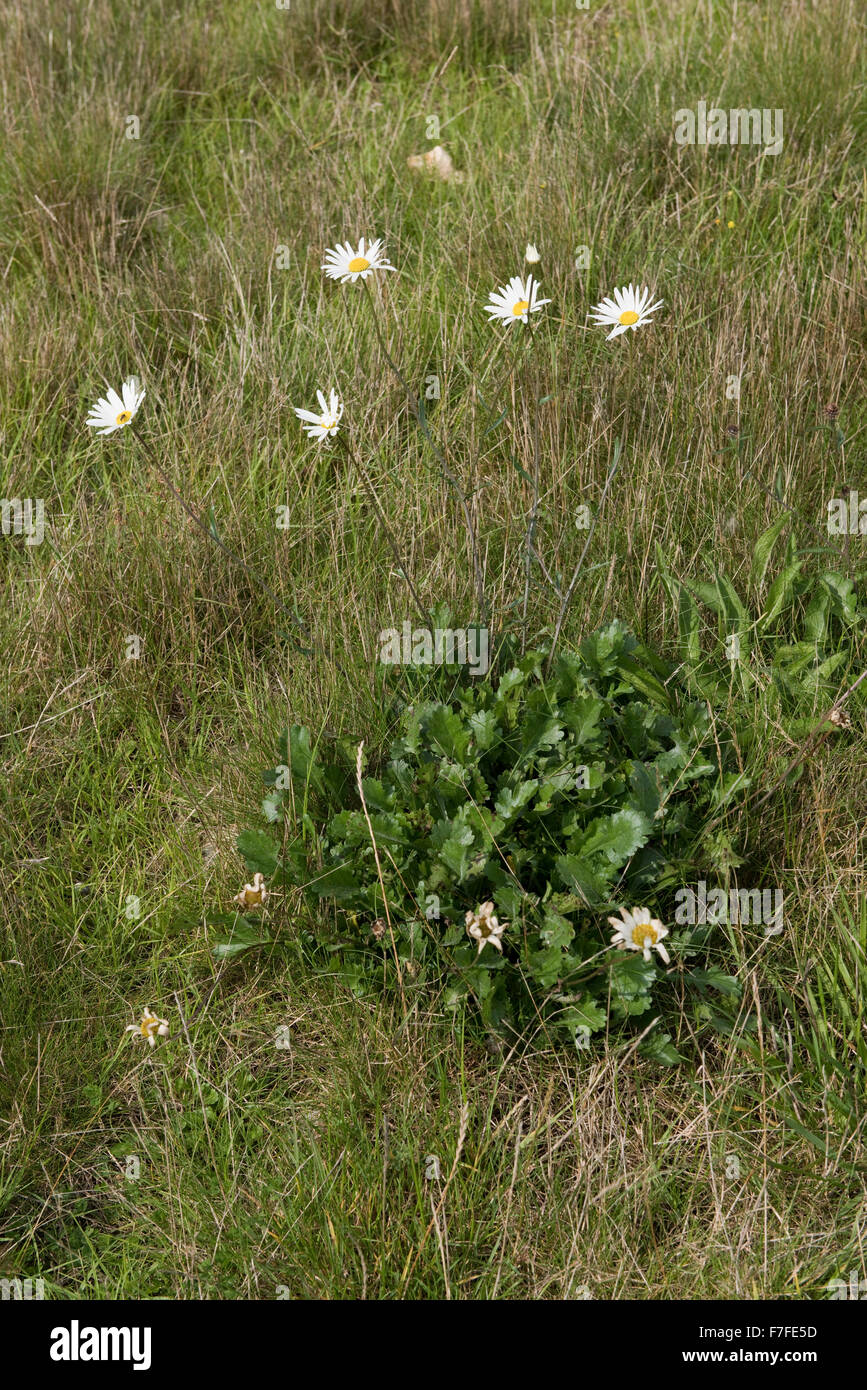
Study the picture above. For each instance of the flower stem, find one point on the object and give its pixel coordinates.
(567, 597)
(531, 526)
(211, 533)
(419, 412)
(395, 550)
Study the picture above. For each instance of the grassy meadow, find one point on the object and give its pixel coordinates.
(238, 1160)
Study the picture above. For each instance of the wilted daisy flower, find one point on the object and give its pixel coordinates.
(531, 255)
(150, 1028)
(517, 301)
(345, 264)
(627, 309)
(436, 161)
(324, 425)
(111, 413)
(638, 931)
(484, 927)
(252, 894)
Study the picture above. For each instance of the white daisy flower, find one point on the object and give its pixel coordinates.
(323, 425)
(627, 309)
(111, 413)
(252, 894)
(515, 301)
(638, 931)
(483, 927)
(345, 264)
(150, 1028)
(531, 255)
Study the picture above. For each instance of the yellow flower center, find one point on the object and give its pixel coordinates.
(358, 263)
(628, 317)
(642, 933)
(520, 308)
(124, 417)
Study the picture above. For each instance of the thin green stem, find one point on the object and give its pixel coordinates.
(395, 550)
(567, 597)
(208, 531)
(531, 526)
(418, 411)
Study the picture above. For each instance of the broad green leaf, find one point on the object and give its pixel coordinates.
(447, 732)
(582, 717)
(244, 936)
(644, 681)
(842, 591)
(539, 732)
(735, 610)
(688, 625)
(763, 549)
(817, 616)
(546, 966)
(659, 1048)
(301, 757)
(484, 729)
(338, 881)
(584, 1014)
(512, 800)
(714, 978)
(646, 789)
(576, 873)
(558, 931)
(631, 978)
(259, 851)
(710, 596)
(780, 594)
(616, 837)
(670, 584)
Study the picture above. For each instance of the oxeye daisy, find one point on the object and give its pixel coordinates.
(323, 425)
(436, 161)
(150, 1028)
(484, 927)
(638, 931)
(253, 894)
(517, 301)
(627, 309)
(111, 412)
(531, 255)
(343, 263)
